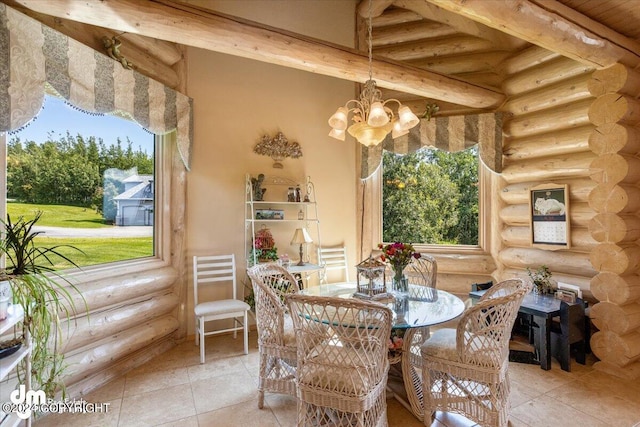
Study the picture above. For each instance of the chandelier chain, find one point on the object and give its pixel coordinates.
(369, 41)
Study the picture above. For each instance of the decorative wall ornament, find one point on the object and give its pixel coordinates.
(278, 148)
(112, 45)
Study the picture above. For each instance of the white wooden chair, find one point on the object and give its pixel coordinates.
(276, 337)
(218, 271)
(333, 259)
(342, 360)
(465, 370)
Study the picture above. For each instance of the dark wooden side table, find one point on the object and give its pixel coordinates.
(543, 308)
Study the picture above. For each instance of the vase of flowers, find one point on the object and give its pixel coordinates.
(542, 281)
(398, 255)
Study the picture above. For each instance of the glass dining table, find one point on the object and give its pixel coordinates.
(413, 314)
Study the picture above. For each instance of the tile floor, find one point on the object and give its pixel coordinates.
(174, 389)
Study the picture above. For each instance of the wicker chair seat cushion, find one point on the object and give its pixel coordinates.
(289, 334)
(333, 370)
(220, 307)
(481, 350)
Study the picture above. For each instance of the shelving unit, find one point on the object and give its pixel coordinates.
(283, 229)
(8, 364)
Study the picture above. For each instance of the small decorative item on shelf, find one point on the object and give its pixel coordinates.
(257, 190)
(284, 261)
(542, 281)
(371, 278)
(399, 255)
(264, 246)
(5, 298)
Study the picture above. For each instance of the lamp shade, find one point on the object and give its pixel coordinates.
(397, 130)
(337, 134)
(406, 118)
(300, 236)
(377, 115)
(339, 119)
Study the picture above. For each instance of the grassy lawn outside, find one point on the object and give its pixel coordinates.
(57, 215)
(96, 250)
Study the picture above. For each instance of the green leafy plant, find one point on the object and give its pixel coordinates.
(541, 279)
(43, 294)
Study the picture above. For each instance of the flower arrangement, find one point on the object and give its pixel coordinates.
(395, 342)
(398, 255)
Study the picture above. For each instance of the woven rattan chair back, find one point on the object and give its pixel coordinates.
(276, 337)
(342, 360)
(466, 370)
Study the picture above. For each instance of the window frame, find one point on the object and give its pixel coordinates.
(163, 149)
(484, 211)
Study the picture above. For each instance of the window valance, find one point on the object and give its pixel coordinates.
(34, 57)
(453, 133)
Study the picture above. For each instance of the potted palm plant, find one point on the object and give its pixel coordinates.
(44, 296)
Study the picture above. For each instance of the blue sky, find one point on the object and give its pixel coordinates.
(57, 117)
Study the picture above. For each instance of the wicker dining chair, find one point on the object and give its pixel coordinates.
(342, 360)
(422, 272)
(276, 337)
(465, 370)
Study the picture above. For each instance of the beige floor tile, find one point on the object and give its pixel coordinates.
(604, 403)
(516, 422)
(245, 415)
(112, 390)
(283, 406)
(399, 416)
(547, 411)
(157, 407)
(183, 422)
(225, 390)
(138, 382)
(538, 381)
(521, 393)
(108, 418)
(217, 367)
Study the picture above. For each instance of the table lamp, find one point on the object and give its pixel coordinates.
(300, 237)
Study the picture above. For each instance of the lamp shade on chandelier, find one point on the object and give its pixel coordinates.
(372, 117)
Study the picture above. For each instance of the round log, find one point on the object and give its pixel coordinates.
(100, 354)
(549, 169)
(528, 58)
(456, 45)
(465, 264)
(564, 262)
(616, 289)
(617, 78)
(581, 240)
(553, 96)
(569, 116)
(611, 138)
(567, 141)
(468, 63)
(579, 190)
(579, 215)
(615, 168)
(101, 325)
(606, 198)
(615, 349)
(613, 228)
(555, 70)
(616, 258)
(121, 288)
(620, 319)
(614, 108)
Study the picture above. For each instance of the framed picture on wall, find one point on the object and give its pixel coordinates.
(549, 213)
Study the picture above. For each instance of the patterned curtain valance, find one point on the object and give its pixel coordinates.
(33, 56)
(454, 133)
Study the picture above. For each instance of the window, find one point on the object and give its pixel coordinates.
(93, 179)
(431, 197)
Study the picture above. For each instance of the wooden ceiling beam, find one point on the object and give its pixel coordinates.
(234, 36)
(572, 35)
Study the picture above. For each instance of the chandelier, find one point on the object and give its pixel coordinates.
(372, 117)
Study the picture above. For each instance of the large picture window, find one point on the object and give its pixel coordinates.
(431, 197)
(92, 178)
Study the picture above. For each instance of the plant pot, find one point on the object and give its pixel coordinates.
(7, 348)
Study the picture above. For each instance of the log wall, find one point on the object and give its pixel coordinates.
(547, 141)
(615, 141)
(572, 125)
